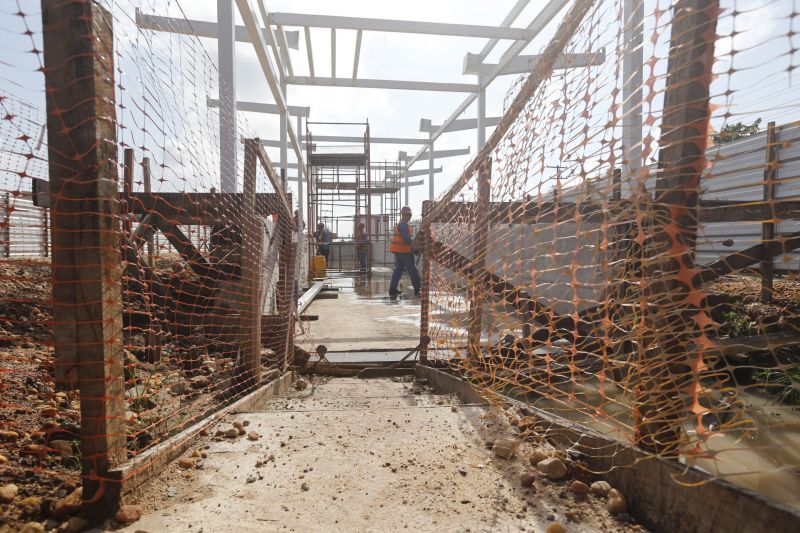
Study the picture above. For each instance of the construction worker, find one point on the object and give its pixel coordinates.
(323, 239)
(401, 247)
(362, 246)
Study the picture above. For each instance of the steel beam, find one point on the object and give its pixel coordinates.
(632, 81)
(473, 64)
(541, 20)
(438, 154)
(426, 125)
(257, 36)
(333, 53)
(200, 28)
(358, 54)
(226, 61)
(378, 140)
(403, 85)
(399, 26)
(287, 61)
(420, 172)
(507, 21)
(309, 52)
(258, 107)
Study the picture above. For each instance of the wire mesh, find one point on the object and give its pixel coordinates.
(622, 253)
(167, 297)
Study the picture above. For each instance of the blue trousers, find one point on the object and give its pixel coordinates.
(362, 259)
(404, 262)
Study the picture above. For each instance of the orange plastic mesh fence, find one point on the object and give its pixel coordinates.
(144, 298)
(623, 252)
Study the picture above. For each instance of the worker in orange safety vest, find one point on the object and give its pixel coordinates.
(401, 247)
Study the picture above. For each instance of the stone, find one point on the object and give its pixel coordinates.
(615, 503)
(30, 505)
(32, 527)
(304, 487)
(301, 384)
(128, 514)
(253, 436)
(62, 447)
(505, 448)
(553, 468)
(48, 412)
(204, 432)
(239, 427)
(526, 424)
(579, 487)
(573, 515)
(527, 479)
(537, 456)
(68, 505)
(231, 433)
(601, 488)
(8, 436)
(186, 463)
(3, 459)
(555, 527)
(462, 471)
(8, 493)
(200, 382)
(76, 524)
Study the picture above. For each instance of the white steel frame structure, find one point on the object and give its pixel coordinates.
(267, 33)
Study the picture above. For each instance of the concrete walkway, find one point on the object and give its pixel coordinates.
(354, 455)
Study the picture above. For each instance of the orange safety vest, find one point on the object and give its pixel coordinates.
(398, 245)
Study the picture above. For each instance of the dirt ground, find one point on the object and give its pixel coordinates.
(364, 455)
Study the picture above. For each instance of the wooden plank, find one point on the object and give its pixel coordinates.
(86, 269)
(151, 249)
(768, 227)
(198, 207)
(286, 302)
(127, 188)
(6, 225)
(671, 316)
(475, 287)
(250, 281)
(308, 297)
(284, 204)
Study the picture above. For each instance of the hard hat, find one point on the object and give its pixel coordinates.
(405, 209)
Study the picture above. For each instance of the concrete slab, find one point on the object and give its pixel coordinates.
(361, 455)
(362, 318)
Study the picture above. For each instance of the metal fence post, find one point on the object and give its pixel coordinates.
(768, 228)
(86, 265)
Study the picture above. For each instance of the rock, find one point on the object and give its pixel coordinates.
(301, 384)
(573, 515)
(462, 471)
(601, 488)
(231, 433)
(186, 463)
(204, 432)
(553, 468)
(179, 389)
(48, 412)
(505, 448)
(30, 505)
(3, 459)
(304, 487)
(76, 524)
(128, 514)
(555, 527)
(579, 487)
(32, 527)
(195, 454)
(200, 382)
(8, 436)
(68, 505)
(526, 424)
(527, 479)
(251, 479)
(239, 427)
(8, 493)
(253, 436)
(62, 447)
(615, 503)
(537, 456)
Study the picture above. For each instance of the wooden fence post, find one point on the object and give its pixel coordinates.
(86, 265)
(285, 292)
(674, 318)
(481, 236)
(425, 283)
(768, 228)
(252, 241)
(7, 224)
(147, 188)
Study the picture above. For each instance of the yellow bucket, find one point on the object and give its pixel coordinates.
(318, 266)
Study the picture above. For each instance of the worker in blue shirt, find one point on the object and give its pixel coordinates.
(323, 238)
(400, 246)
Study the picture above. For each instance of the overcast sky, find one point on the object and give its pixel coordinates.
(758, 81)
